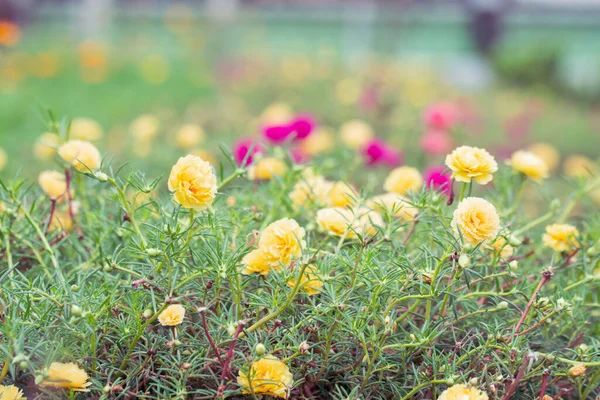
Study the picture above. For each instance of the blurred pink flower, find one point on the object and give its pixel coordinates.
(443, 116)
(369, 98)
(243, 146)
(302, 126)
(437, 142)
(276, 134)
(378, 152)
(299, 156)
(437, 178)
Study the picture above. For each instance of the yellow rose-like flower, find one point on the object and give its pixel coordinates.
(85, 129)
(194, 182)
(3, 158)
(367, 220)
(310, 189)
(467, 163)
(266, 169)
(401, 180)
(268, 376)
(356, 134)
(336, 221)
(579, 166)
(144, 128)
(311, 282)
(318, 142)
(257, 262)
(10, 392)
(529, 164)
(281, 241)
(462, 392)
(395, 204)
(53, 183)
(172, 315)
(546, 152)
(46, 145)
(276, 113)
(476, 220)
(83, 156)
(190, 136)
(68, 376)
(577, 370)
(342, 195)
(561, 237)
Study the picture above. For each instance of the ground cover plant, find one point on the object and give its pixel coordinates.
(263, 275)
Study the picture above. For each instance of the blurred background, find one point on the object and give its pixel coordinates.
(134, 74)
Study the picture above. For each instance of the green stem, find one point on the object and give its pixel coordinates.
(424, 385)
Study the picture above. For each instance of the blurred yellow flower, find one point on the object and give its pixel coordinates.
(311, 282)
(61, 222)
(194, 182)
(476, 220)
(268, 376)
(356, 134)
(342, 194)
(502, 247)
(394, 204)
(336, 221)
(53, 183)
(68, 376)
(579, 166)
(529, 164)
(257, 262)
(144, 128)
(309, 190)
(189, 136)
(46, 146)
(367, 221)
(402, 180)
(347, 91)
(3, 158)
(276, 113)
(546, 152)
(266, 169)
(281, 241)
(83, 156)
(462, 392)
(155, 69)
(320, 141)
(468, 163)
(172, 315)
(10, 392)
(561, 237)
(85, 129)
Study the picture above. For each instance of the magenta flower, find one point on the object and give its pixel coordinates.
(302, 126)
(378, 152)
(442, 116)
(436, 142)
(437, 178)
(243, 146)
(277, 134)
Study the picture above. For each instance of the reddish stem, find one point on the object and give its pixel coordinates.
(546, 276)
(238, 330)
(202, 312)
(69, 198)
(545, 376)
(412, 230)
(52, 210)
(513, 387)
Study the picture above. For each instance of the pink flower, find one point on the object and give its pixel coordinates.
(436, 142)
(442, 116)
(277, 134)
(302, 126)
(299, 156)
(243, 146)
(437, 178)
(369, 98)
(377, 152)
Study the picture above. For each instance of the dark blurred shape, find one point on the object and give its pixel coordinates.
(487, 22)
(8, 11)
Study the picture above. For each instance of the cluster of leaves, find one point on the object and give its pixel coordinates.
(401, 314)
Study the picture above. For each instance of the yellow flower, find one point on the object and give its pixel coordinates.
(61, 222)
(347, 91)
(172, 315)
(461, 392)
(579, 166)
(276, 113)
(576, 370)
(529, 164)
(355, 134)
(281, 241)
(310, 189)
(45, 146)
(342, 194)
(395, 204)
(3, 158)
(256, 262)
(468, 163)
(311, 282)
(83, 156)
(10, 392)
(366, 221)
(67, 375)
(268, 376)
(501, 246)
(561, 237)
(267, 168)
(402, 180)
(144, 128)
(85, 129)
(336, 221)
(189, 136)
(546, 152)
(476, 220)
(53, 183)
(194, 182)
(320, 141)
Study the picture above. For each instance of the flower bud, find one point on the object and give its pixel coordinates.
(153, 252)
(515, 241)
(555, 204)
(147, 313)
(101, 176)
(473, 381)
(450, 381)
(39, 379)
(260, 349)
(513, 265)
(106, 389)
(464, 260)
(76, 310)
(576, 370)
(231, 329)
(503, 305)
(304, 347)
(74, 288)
(23, 364)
